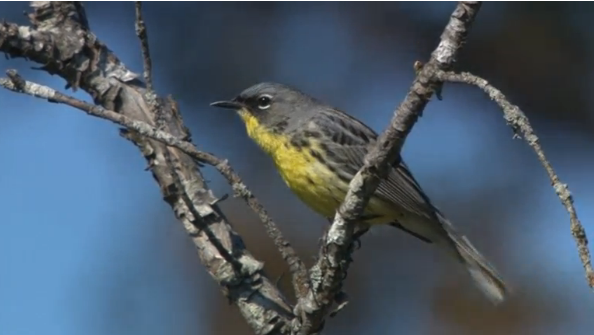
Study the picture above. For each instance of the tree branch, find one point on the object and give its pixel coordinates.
(296, 266)
(140, 29)
(17, 84)
(59, 38)
(520, 124)
(327, 274)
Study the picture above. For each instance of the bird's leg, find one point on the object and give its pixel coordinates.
(322, 239)
(358, 232)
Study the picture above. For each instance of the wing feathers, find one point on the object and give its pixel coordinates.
(348, 140)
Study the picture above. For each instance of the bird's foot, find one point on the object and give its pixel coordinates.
(358, 232)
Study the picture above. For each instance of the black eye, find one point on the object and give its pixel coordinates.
(264, 101)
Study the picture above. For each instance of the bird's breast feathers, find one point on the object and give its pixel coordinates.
(299, 161)
(308, 178)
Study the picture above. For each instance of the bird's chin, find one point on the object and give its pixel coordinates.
(243, 112)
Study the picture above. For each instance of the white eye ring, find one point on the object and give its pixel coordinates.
(264, 101)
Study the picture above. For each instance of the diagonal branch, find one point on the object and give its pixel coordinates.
(520, 124)
(327, 273)
(296, 265)
(60, 39)
(181, 188)
(16, 84)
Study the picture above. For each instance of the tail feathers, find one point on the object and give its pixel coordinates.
(483, 273)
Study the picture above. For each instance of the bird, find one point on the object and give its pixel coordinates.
(317, 149)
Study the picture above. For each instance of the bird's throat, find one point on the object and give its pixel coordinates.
(269, 141)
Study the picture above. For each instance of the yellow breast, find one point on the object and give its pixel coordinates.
(310, 180)
(314, 183)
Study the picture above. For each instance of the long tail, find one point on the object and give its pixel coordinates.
(483, 273)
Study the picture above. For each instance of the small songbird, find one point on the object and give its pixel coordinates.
(318, 149)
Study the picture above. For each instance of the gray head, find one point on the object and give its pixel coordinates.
(274, 105)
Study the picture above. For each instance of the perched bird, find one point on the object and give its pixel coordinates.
(318, 149)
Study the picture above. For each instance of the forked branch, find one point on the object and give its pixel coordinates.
(333, 261)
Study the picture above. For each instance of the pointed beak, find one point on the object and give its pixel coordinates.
(227, 104)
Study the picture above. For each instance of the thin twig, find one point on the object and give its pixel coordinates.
(328, 272)
(140, 28)
(521, 126)
(296, 266)
(151, 98)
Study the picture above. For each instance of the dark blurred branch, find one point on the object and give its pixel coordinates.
(334, 258)
(59, 38)
(520, 124)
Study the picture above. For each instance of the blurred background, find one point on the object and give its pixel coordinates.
(87, 246)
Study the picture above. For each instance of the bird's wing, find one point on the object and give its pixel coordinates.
(347, 146)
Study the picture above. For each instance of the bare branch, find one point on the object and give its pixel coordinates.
(140, 28)
(59, 38)
(17, 84)
(520, 124)
(150, 96)
(327, 274)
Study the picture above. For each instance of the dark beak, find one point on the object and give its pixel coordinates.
(227, 104)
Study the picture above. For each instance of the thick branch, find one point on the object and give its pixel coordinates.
(60, 40)
(521, 126)
(17, 84)
(296, 266)
(327, 273)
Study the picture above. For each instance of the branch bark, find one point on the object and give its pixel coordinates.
(522, 128)
(334, 258)
(16, 84)
(59, 38)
